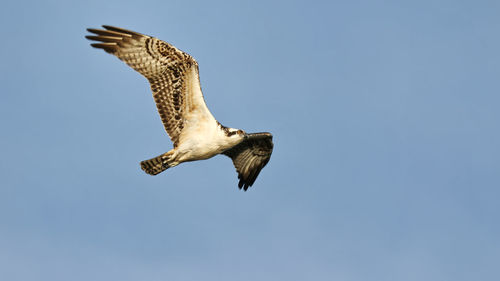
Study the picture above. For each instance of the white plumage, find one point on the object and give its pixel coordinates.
(174, 79)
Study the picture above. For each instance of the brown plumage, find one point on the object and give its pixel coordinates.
(250, 156)
(174, 79)
(162, 64)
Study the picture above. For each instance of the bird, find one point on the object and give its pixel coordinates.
(174, 79)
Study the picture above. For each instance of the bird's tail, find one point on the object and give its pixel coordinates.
(158, 164)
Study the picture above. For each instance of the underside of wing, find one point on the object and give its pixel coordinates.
(173, 74)
(250, 156)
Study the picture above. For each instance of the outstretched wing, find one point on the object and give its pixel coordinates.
(173, 74)
(250, 156)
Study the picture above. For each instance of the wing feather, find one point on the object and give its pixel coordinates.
(172, 74)
(250, 156)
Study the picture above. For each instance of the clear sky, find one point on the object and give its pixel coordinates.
(385, 117)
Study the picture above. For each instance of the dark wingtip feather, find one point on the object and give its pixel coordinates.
(122, 30)
(109, 33)
(93, 30)
(104, 38)
(108, 47)
(244, 184)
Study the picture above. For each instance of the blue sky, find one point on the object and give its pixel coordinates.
(386, 161)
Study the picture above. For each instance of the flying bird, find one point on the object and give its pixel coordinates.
(174, 79)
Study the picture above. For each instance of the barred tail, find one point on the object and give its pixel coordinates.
(157, 165)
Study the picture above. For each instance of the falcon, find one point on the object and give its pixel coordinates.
(174, 79)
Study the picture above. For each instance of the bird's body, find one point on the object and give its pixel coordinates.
(202, 142)
(174, 79)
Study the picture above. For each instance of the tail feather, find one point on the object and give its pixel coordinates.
(156, 165)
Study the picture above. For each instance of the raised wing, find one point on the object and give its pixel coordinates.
(250, 156)
(173, 74)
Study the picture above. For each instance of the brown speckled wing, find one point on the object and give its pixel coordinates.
(250, 156)
(167, 69)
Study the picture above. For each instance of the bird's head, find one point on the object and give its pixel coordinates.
(235, 136)
(237, 133)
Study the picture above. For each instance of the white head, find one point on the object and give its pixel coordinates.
(235, 135)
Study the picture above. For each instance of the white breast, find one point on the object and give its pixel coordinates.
(203, 140)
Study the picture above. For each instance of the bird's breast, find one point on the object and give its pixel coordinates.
(203, 141)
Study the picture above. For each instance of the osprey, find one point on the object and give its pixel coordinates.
(174, 79)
